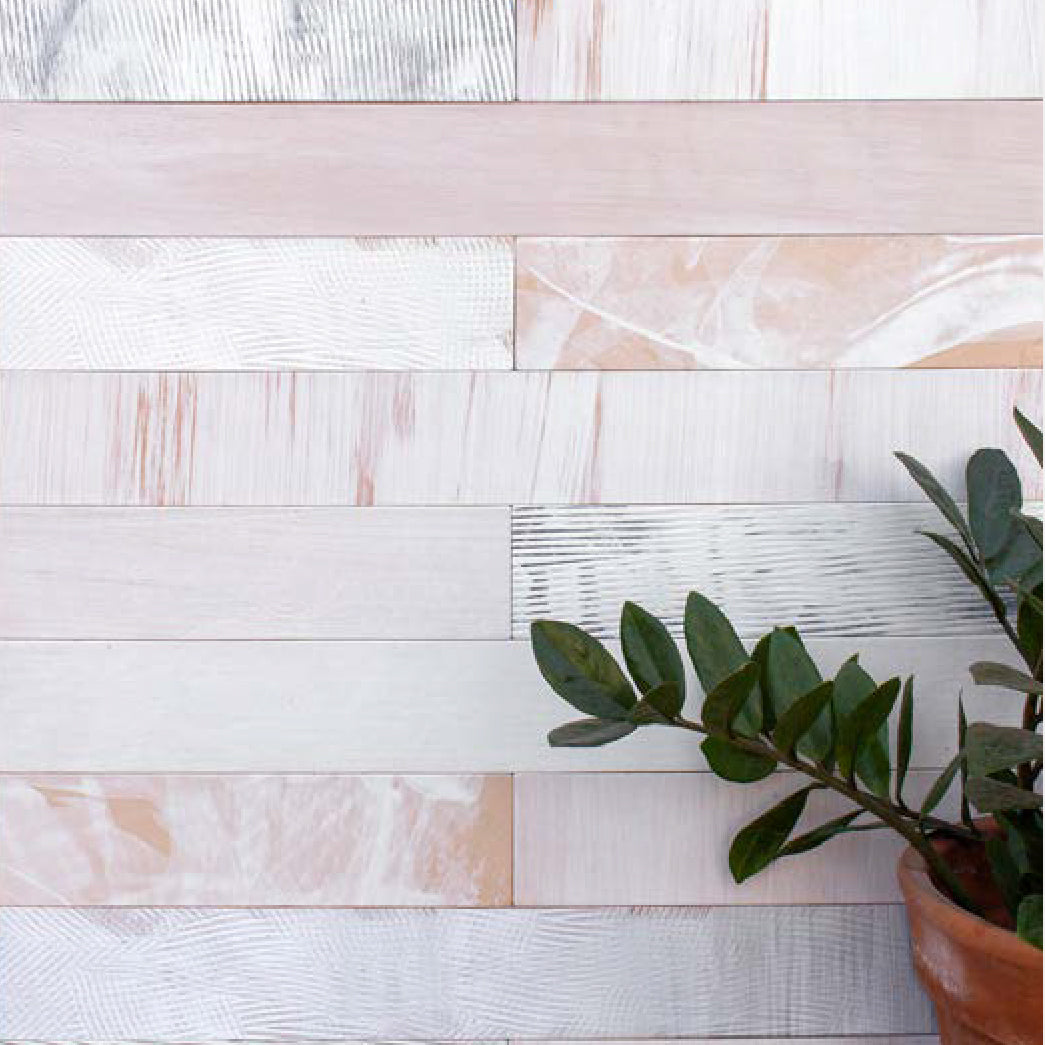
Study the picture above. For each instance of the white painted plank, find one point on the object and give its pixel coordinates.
(410, 707)
(863, 1039)
(162, 974)
(257, 50)
(829, 569)
(490, 438)
(90, 573)
(256, 304)
(587, 50)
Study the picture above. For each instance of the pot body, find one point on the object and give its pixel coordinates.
(984, 982)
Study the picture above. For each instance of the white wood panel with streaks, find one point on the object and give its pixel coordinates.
(397, 707)
(497, 438)
(160, 974)
(90, 573)
(256, 304)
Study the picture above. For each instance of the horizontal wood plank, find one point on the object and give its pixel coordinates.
(395, 707)
(252, 574)
(89, 973)
(257, 50)
(256, 304)
(779, 303)
(533, 169)
(489, 438)
(585, 50)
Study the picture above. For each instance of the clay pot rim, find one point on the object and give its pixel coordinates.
(918, 887)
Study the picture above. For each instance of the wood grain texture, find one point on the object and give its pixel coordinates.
(162, 974)
(246, 841)
(394, 707)
(257, 50)
(829, 569)
(587, 50)
(240, 574)
(535, 169)
(898, 1039)
(779, 303)
(256, 304)
(663, 838)
(489, 438)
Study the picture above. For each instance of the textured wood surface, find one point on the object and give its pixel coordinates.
(167, 974)
(257, 50)
(243, 573)
(396, 707)
(256, 304)
(536, 169)
(246, 841)
(779, 303)
(577, 50)
(488, 438)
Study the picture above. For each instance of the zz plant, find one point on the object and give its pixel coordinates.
(770, 708)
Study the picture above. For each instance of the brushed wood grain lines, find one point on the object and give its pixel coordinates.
(587, 50)
(256, 304)
(535, 169)
(254, 574)
(89, 973)
(257, 50)
(779, 303)
(490, 438)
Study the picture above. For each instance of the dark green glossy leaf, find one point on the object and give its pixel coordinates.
(589, 732)
(852, 687)
(1028, 920)
(1030, 431)
(965, 564)
(819, 835)
(990, 796)
(732, 763)
(1029, 627)
(1004, 871)
(990, 748)
(760, 655)
(989, 673)
(941, 786)
(904, 737)
(1032, 525)
(724, 703)
(1019, 562)
(650, 651)
(659, 707)
(789, 675)
(794, 723)
(939, 496)
(863, 725)
(757, 845)
(994, 492)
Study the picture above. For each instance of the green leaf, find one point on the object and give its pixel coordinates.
(941, 786)
(757, 845)
(589, 732)
(789, 675)
(990, 749)
(659, 707)
(852, 687)
(819, 835)
(794, 723)
(991, 796)
(1032, 525)
(1030, 431)
(581, 670)
(994, 492)
(1004, 871)
(965, 564)
(939, 496)
(650, 651)
(989, 673)
(904, 737)
(1029, 627)
(723, 704)
(732, 763)
(863, 725)
(1028, 920)
(1019, 561)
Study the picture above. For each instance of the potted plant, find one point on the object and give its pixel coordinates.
(973, 886)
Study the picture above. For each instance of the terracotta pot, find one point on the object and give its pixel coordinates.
(984, 982)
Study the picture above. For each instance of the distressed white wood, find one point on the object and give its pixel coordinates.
(162, 974)
(409, 707)
(90, 573)
(257, 50)
(256, 304)
(490, 438)
(829, 569)
(588, 50)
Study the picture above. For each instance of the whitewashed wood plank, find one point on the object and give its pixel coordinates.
(395, 707)
(534, 169)
(897, 1039)
(257, 50)
(161, 973)
(490, 438)
(829, 569)
(587, 50)
(89, 573)
(779, 302)
(256, 304)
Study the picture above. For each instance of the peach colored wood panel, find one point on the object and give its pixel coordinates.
(591, 50)
(90, 974)
(534, 169)
(256, 304)
(408, 707)
(489, 438)
(245, 841)
(779, 302)
(87, 573)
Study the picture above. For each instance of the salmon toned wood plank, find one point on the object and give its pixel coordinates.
(257, 50)
(256, 304)
(779, 303)
(161, 974)
(497, 438)
(246, 573)
(534, 169)
(409, 707)
(239, 840)
(587, 50)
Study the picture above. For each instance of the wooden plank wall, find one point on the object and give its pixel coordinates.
(306, 410)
